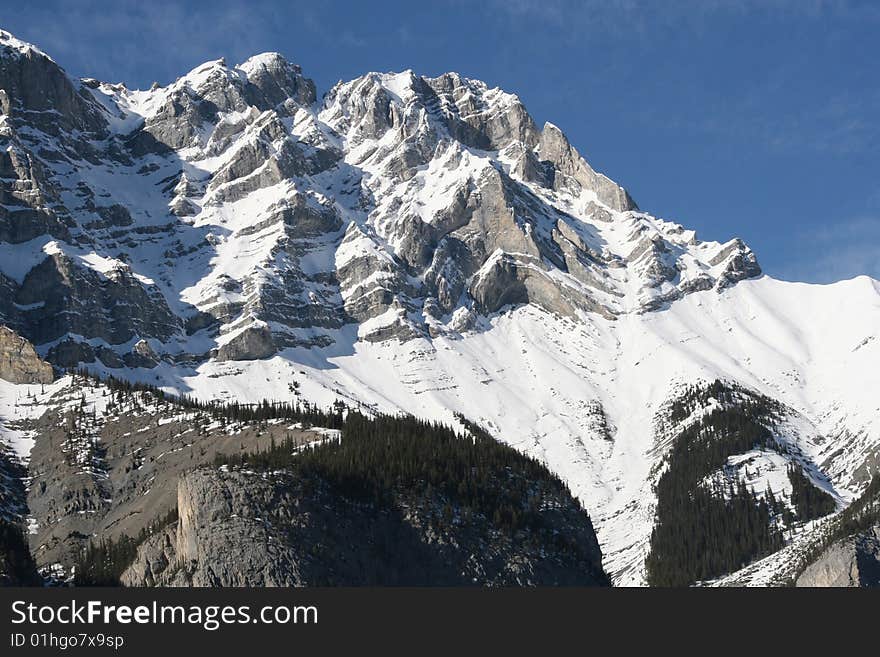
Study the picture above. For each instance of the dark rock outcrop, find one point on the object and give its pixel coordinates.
(243, 529)
(114, 305)
(38, 91)
(253, 343)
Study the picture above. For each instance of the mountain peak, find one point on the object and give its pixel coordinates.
(35, 90)
(442, 187)
(269, 60)
(278, 79)
(11, 45)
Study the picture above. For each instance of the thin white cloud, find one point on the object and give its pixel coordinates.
(771, 112)
(164, 36)
(836, 251)
(574, 15)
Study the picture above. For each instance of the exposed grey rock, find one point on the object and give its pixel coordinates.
(267, 131)
(581, 261)
(365, 106)
(29, 202)
(277, 81)
(183, 207)
(244, 552)
(555, 147)
(372, 282)
(651, 255)
(400, 329)
(354, 172)
(449, 272)
(473, 121)
(109, 357)
(111, 216)
(185, 186)
(598, 213)
(504, 283)
(243, 529)
(741, 264)
(113, 472)
(39, 92)
(179, 121)
(529, 167)
(252, 343)
(9, 313)
(198, 322)
(513, 281)
(256, 165)
(157, 562)
(142, 355)
(69, 353)
(19, 362)
(854, 561)
(114, 306)
(463, 320)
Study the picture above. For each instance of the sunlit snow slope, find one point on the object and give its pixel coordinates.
(582, 395)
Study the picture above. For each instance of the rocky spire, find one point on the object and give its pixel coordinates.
(277, 80)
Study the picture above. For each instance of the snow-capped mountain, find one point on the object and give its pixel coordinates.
(410, 244)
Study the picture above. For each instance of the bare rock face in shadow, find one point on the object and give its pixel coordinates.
(243, 529)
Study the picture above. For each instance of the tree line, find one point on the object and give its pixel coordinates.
(308, 414)
(702, 532)
(809, 501)
(379, 457)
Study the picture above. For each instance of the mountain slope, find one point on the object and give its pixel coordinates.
(407, 243)
(128, 485)
(396, 501)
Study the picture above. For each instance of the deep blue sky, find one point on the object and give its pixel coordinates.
(758, 119)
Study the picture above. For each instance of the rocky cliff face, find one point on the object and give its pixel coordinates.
(108, 464)
(230, 204)
(854, 561)
(847, 551)
(243, 529)
(19, 363)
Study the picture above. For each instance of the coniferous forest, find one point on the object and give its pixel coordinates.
(376, 460)
(702, 531)
(862, 514)
(377, 454)
(102, 563)
(16, 563)
(378, 457)
(809, 502)
(300, 411)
